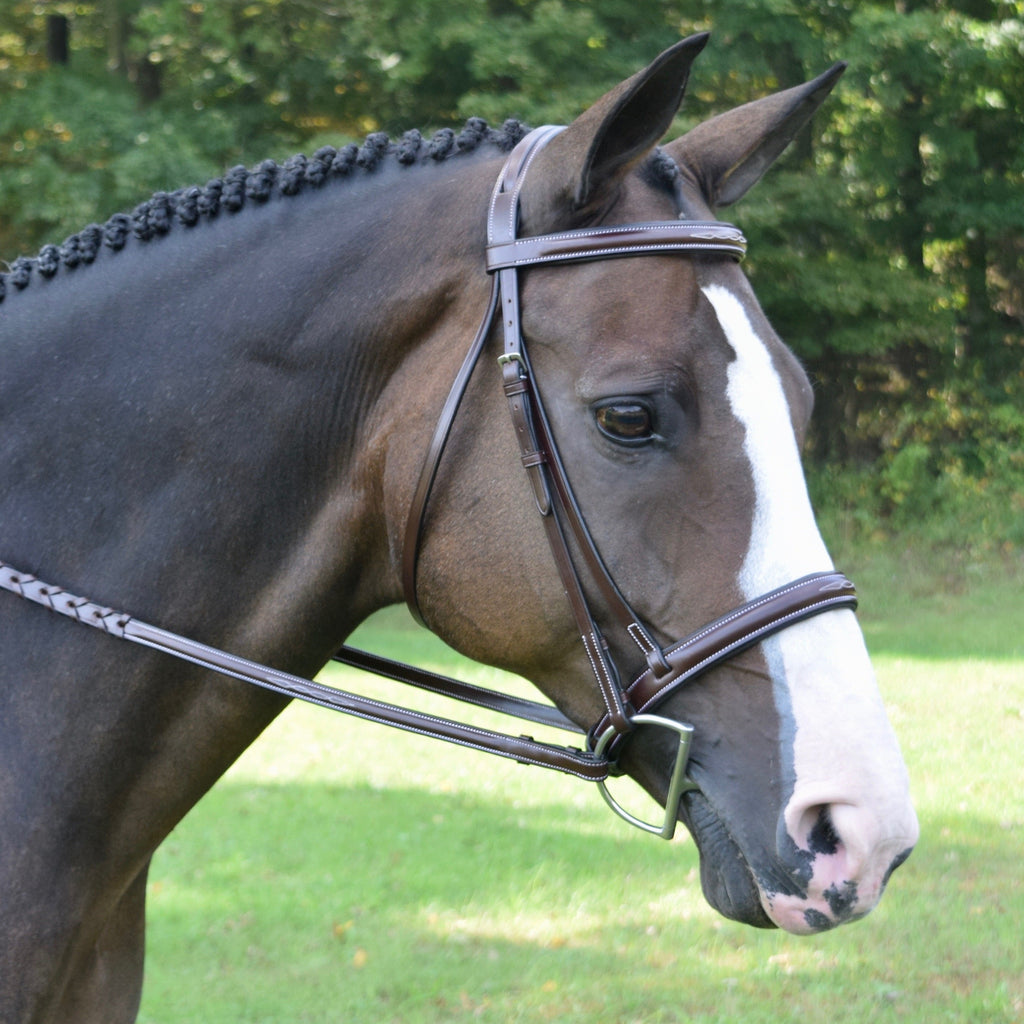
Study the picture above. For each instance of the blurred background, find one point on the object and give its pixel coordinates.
(887, 248)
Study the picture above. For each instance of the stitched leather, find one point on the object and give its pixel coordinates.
(654, 238)
(732, 633)
(59, 600)
(572, 761)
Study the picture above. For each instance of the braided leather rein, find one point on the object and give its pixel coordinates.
(666, 669)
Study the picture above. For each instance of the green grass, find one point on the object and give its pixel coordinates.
(342, 872)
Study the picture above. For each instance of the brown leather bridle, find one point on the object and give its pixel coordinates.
(667, 668)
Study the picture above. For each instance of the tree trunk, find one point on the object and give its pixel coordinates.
(148, 81)
(58, 33)
(911, 184)
(978, 312)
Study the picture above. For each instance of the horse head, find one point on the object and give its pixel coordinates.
(678, 415)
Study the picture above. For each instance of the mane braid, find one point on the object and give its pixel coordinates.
(240, 186)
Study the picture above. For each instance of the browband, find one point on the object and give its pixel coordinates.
(649, 239)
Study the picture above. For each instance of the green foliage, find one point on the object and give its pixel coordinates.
(819, 275)
(888, 248)
(951, 475)
(64, 166)
(963, 458)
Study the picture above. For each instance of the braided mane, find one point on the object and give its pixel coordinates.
(241, 186)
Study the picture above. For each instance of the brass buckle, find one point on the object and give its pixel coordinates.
(680, 783)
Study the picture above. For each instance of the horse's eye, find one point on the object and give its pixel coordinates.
(625, 421)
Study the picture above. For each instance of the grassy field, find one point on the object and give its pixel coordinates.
(342, 872)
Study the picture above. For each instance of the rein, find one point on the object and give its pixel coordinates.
(667, 669)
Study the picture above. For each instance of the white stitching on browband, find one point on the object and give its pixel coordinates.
(713, 229)
(616, 250)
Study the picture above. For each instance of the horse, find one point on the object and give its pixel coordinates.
(216, 414)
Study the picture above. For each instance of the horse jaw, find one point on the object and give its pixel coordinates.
(848, 821)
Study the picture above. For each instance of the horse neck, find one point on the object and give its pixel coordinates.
(219, 425)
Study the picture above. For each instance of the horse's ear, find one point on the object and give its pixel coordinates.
(579, 172)
(727, 155)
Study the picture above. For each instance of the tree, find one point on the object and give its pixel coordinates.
(886, 247)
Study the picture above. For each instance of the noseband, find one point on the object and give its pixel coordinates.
(665, 669)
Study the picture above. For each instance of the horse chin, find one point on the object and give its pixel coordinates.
(725, 877)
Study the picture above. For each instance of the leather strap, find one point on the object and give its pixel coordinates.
(506, 254)
(572, 761)
(650, 239)
(728, 636)
(524, 402)
(492, 700)
(418, 506)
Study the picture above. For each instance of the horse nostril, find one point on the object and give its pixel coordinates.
(822, 836)
(813, 828)
(839, 831)
(840, 853)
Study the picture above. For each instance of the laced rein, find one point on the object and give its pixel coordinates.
(667, 669)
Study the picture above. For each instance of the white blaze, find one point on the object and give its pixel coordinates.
(843, 754)
(785, 543)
